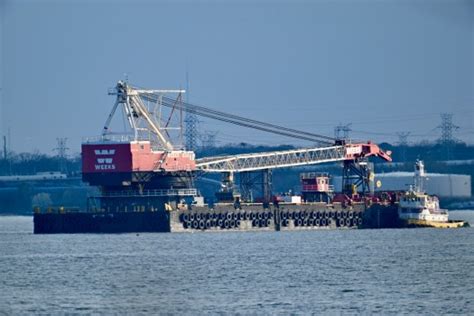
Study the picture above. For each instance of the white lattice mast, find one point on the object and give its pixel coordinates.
(140, 119)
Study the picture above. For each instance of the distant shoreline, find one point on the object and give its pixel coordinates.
(16, 214)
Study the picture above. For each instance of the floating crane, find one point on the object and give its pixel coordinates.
(145, 177)
(147, 157)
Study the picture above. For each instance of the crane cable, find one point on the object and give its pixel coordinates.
(247, 124)
(238, 120)
(201, 108)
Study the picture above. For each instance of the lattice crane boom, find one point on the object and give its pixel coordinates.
(271, 160)
(290, 158)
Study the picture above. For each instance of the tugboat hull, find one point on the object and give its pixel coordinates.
(433, 224)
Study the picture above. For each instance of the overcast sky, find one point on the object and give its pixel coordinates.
(385, 66)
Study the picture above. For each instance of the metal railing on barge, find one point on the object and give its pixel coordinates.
(150, 193)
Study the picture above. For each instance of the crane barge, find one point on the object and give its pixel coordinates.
(146, 177)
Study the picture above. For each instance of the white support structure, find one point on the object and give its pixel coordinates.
(140, 119)
(272, 160)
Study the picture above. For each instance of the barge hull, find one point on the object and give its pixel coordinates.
(70, 223)
(220, 218)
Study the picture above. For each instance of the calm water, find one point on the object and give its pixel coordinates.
(412, 271)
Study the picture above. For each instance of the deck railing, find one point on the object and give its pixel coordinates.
(151, 193)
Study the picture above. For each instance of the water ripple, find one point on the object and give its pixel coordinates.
(423, 271)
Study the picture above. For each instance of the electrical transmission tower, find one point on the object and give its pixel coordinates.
(190, 132)
(5, 152)
(403, 143)
(447, 127)
(62, 153)
(209, 139)
(191, 122)
(342, 131)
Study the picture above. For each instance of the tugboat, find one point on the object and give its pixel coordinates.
(418, 209)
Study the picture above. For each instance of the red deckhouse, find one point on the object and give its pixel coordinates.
(140, 155)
